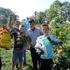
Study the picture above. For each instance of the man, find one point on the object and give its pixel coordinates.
(44, 44)
(0, 63)
(20, 39)
(33, 33)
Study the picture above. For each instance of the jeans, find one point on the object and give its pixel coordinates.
(24, 55)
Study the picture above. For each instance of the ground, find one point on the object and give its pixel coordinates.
(6, 56)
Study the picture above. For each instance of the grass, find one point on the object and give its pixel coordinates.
(6, 56)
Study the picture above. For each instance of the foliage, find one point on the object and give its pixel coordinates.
(65, 11)
(62, 32)
(37, 18)
(60, 12)
(7, 16)
(53, 10)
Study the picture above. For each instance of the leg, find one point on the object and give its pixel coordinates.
(24, 55)
(14, 59)
(42, 67)
(34, 58)
(49, 64)
(20, 57)
(0, 63)
(20, 66)
(13, 66)
(46, 64)
(39, 62)
(17, 66)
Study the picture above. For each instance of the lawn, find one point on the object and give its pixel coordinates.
(7, 59)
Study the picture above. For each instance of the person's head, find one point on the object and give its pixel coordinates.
(21, 28)
(45, 28)
(32, 24)
(4, 26)
(16, 24)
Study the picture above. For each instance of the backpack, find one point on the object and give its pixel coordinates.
(5, 39)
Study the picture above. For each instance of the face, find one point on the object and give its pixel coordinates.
(45, 30)
(16, 26)
(32, 25)
(21, 28)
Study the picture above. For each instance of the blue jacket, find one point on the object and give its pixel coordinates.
(26, 25)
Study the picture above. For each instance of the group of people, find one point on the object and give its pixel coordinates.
(40, 43)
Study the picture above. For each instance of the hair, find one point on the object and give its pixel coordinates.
(31, 20)
(16, 23)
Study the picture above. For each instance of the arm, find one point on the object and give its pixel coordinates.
(38, 47)
(29, 41)
(53, 40)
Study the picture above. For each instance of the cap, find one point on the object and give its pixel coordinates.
(31, 20)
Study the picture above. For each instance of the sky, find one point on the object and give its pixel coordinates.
(26, 8)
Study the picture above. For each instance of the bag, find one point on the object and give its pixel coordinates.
(5, 39)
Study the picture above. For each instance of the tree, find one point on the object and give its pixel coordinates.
(7, 16)
(53, 11)
(36, 16)
(65, 11)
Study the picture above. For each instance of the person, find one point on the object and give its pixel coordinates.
(33, 33)
(25, 23)
(44, 46)
(0, 63)
(20, 39)
(4, 36)
(15, 30)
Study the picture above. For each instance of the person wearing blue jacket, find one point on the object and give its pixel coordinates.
(44, 46)
(25, 23)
